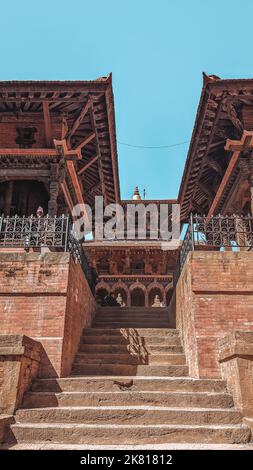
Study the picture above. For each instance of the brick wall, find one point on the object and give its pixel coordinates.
(214, 296)
(19, 364)
(45, 296)
(8, 132)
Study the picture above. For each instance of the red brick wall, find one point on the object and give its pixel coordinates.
(8, 132)
(35, 293)
(214, 297)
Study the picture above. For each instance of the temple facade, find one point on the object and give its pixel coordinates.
(173, 349)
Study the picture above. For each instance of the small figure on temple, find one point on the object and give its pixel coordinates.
(40, 212)
(156, 301)
(120, 300)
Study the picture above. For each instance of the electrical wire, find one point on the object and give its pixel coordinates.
(152, 146)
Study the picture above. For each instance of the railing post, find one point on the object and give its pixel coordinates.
(192, 231)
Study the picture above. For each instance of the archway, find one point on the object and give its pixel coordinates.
(123, 294)
(153, 292)
(137, 297)
(101, 292)
(169, 294)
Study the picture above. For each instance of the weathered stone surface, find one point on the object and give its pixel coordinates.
(5, 422)
(235, 354)
(19, 365)
(129, 434)
(136, 402)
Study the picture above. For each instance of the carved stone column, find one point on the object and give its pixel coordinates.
(53, 193)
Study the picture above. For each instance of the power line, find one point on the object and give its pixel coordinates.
(153, 146)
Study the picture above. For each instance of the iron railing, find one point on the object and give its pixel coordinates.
(215, 233)
(34, 232)
(54, 233)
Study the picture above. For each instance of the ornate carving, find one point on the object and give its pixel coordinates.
(232, 114)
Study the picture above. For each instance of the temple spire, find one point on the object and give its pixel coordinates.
(136, 195)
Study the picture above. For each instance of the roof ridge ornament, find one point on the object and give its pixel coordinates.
(209, 78)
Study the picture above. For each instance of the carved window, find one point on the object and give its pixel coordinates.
(25, 138)
(103, 266)
(137, 267)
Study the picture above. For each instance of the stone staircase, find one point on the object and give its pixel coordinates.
(129, 386)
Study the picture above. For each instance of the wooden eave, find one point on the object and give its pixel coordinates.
(94, 135)
(207, 140)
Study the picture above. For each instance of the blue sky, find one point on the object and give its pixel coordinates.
(156, 51)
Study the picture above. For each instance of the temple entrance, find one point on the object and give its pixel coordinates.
(137, 298)
(101, 293)
(22, 197)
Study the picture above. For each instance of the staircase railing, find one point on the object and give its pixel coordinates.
(217, 233)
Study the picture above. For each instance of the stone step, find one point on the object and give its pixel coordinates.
(120, 339)
(140, 357)
(116, 383)
(129, 434)
(135, 310)
(126, 348)
(128, 369)
(132, 332)
(129, 415)
(130, 324)
(132, 316)
(167, 399)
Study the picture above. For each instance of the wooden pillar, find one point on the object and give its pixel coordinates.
(53, 193)
(8, 197)
(127, 263)
(128, 298)
(146, 298)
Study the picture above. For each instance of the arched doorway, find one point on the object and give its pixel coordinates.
(23, 197)
(169, 294)
(137, 297)
(155, 291)
(120, 291)
(101, 292)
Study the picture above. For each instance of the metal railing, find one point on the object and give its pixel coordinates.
(34, 232)
(215, 233)
(54, 233)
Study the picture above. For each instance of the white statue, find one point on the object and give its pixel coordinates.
(156, 301)
(120, 300)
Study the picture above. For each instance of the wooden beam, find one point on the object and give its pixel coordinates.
(86, 141)
(67, 196)
(245, 143)
(87, 165)
(206, 190)
(77, 187)
(75, 181)
(79, 119)
(214, 165)
(237, 146)
(47, 123)
(33, 152)
(72, 154)
(225, 179)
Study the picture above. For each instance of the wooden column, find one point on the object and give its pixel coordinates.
(8, 197)
(53, 193)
